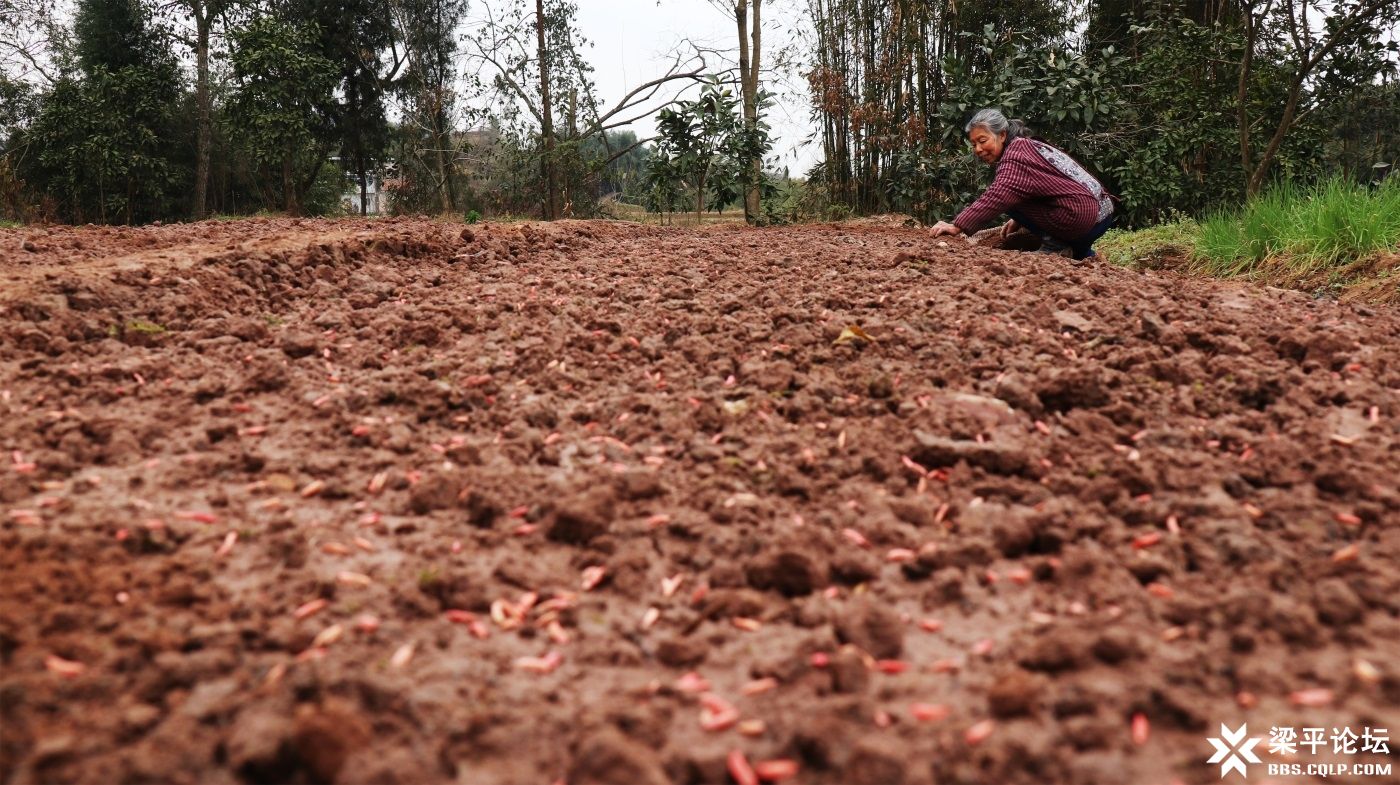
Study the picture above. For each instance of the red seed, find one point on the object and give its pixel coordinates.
(983, 647)
(776, 770)
(1347, 553)
(459, 616)
(541, 665)
(856, 538)
(738, 765)
(1141, 728)
(759, 686)
(746, 624)
(366, 623)
(1347, 519)
(930, 625)
(592, 576)
(402, 655)
(1147, 540)
(66, 668)
(310, 609)
(891, 667)
(692, 682)
(980, 732)
(820, 659)
(929, 712)
(198, 517)
(1160, 590)
(1019, 576)
(1313, 698)
(900, 555)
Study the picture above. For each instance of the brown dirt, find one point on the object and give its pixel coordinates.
(1145, 494)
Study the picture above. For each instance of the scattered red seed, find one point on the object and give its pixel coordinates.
(746, 624)
(1019, 576)
(716, 713)
(541, 665)
(759, 686)
(891, 667)
(671, 584)
(1347, 519)
(882, 718)
(650, 618)
(66, 668)
(752, 727)
(1147, 540)
(196, 516)
(592, 576)
(820, 659)
(310, 609)
(856, 538)
(1246, 699)
(1160, 590)
(738, 765)
(930, 625)
(367, 623)
(312, 488)
(900, 555)
(1313, 698)
(335, 549)
(226, 548)
(402, 655)
(929, 712)
(692, 682)
(1141, 728)
(776, 770)
(1347, 553)
(980, 732)
(983, 647)
(459, 616)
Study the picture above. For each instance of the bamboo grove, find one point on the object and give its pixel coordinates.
(1179, 106)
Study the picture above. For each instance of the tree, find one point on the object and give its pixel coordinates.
(282, 107)
(1348, 32)
(749, 59)
(697, 139)
(104, 143)
(204, 13)
(426, 40)
(506, 54)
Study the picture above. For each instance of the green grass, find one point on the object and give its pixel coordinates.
(1291, 234)
(8, 224)
(1149, 247)
(1332, 237)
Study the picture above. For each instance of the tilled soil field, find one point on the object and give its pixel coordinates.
(592, 503)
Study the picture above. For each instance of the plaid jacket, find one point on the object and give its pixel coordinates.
(1047, 185)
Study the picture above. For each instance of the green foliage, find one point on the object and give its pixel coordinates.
(702, 146)
(324, 197)
(280, 113)
(104, 144)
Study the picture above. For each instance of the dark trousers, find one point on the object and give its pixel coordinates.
(1081, 246)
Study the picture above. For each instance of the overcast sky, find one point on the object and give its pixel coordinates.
(634, 41)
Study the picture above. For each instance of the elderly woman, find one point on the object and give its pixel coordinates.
(1037, 186)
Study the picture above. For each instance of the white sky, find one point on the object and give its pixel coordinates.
(634, 41)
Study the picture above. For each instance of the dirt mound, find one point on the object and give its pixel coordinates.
(402, 501)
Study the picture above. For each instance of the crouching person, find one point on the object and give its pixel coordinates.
(1038, 186)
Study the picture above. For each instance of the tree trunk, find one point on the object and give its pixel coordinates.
(203, 19)
(749, 57)
(551, 175)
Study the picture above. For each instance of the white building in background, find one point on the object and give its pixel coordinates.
(376, 198)
(376, 201)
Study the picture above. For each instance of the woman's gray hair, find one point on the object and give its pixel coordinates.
(994, 121)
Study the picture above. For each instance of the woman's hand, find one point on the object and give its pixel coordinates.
(1009, 228)
(943, 227)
